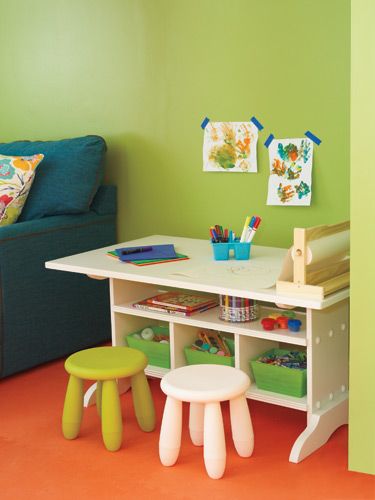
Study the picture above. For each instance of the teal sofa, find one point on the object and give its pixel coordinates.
(48, 314)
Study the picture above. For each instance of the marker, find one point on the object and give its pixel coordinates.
(247, 221)
(249, 228)
(254, 229)
(136, 250)
(215, 235)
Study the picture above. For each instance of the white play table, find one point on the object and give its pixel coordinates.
(324, 333)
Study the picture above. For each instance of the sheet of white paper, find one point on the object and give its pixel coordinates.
(257, 274)
(290, 172)
(230, 147)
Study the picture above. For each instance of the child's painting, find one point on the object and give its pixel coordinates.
(230, 147)
(290, 172)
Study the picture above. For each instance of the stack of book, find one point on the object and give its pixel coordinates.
(147, 255)
(177, 303)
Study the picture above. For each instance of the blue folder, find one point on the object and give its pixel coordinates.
(157, 252)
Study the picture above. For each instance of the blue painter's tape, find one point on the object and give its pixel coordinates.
(204, 123)
(270, 138)
(258, 125)
(313, 137)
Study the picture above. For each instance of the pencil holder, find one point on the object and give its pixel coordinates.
(241, 251)
(222, 251)
(237, 310)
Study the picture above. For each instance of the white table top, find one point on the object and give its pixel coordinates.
(254, 278)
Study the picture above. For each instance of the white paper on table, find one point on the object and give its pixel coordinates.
(230, 147)
(290, 181)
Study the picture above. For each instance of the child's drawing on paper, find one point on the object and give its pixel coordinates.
(290, 172)
(230, 147)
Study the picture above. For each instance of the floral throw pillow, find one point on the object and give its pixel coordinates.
(16, 177)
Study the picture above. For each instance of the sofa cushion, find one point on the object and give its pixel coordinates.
(67, 179)
(16, 177)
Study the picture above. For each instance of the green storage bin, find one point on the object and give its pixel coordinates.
(157, 354)
(280, 379)
(201, 358)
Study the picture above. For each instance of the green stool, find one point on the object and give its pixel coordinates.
(105, 365)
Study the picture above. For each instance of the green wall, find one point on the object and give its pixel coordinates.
(144, 73)
(362, 337)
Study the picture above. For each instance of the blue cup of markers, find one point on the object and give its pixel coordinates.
(222, 250)
(242, 251)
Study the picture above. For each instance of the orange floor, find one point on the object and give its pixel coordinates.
(36, 462)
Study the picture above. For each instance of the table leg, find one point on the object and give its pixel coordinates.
(170, 432)
(214, 441)
(322, 424)
(242, 429)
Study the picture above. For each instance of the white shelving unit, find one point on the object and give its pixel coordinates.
(324, 332)
(250, 341)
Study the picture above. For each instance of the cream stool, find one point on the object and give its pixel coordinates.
(204, 386)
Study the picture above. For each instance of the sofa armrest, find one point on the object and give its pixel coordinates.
(105, 201)
(55, 223)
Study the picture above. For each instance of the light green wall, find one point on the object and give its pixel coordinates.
(143, 73)
(362, 336)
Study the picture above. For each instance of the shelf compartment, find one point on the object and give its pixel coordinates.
(158, 354)
(209, 319)
(184, 336)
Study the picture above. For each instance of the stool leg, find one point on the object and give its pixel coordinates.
(170, 432)
(111, 416)
(143, 403)
(196, 417)
(73, 408)
(99, 397)
(242, 429)
(214, 441)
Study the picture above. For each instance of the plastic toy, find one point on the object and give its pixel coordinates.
(147, 333)
(211, 342)
(294, 325)
(269, 323)
(283, 322)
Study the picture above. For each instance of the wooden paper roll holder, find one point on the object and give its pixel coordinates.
(323, 280)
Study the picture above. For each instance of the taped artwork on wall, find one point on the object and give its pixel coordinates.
(230, 147)
(290, 172)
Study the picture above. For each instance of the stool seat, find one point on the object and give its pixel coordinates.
(205, 383)
(104, 363)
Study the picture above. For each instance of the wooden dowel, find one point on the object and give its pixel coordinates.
(299, 265)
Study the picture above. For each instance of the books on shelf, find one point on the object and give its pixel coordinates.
(183, 300)
(177, 303)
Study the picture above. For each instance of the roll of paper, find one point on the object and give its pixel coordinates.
(336, 245)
